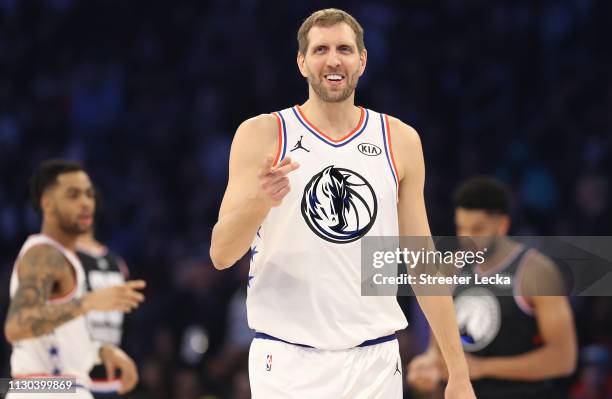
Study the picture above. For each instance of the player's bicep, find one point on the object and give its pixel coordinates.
(241, 182)
(555, 321)
(411, 206)
(552, 310)
(38, 271)
(254, 140)
(411, 198)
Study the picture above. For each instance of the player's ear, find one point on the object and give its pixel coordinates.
(46, 202)
(301, 60)
(363, 60)
(504, 224)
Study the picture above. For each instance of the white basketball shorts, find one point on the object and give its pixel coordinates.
(282, 370)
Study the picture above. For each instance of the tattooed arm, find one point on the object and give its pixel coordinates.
(39, 270)
(29, 314)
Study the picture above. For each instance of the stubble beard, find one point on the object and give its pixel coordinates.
(327, 95)
(69, 227)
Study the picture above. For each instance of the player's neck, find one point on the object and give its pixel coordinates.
(89, 243)
(502, 248)
(53, 231)
(334, 119)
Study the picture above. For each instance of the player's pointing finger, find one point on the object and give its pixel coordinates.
(266, 166)
(283, 162)
(284, 170)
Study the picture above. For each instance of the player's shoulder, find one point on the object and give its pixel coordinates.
(405, 146)
(535, 259)
(263, 124)
(402, 134)
(539, 266)
(256, 137)
(41, 256)
(541, 275)
(41, 252)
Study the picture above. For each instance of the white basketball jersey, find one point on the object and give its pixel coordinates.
(305, 276)
(69, 349)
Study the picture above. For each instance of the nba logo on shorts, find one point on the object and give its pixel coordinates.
(268, 362)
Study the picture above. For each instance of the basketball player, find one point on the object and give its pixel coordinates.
(45, 321)
(514, 343)
(360, 173)
(103, 268)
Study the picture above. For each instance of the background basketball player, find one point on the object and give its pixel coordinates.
(515, 344)
(45, 322)
(303, 227)
(103, 268)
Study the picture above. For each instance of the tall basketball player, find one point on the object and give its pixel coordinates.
(360, 173)
(103, 268)
(514, 344)
(45, 322)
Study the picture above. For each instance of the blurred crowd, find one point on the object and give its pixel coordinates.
(148, 95)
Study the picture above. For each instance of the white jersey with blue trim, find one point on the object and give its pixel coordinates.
(69, 349)
(305, 277)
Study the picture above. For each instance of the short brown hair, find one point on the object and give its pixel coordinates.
(325, 18)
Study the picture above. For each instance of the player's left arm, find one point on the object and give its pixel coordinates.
(412, 215)
(557, 355)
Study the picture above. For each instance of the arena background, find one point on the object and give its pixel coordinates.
(148, 95)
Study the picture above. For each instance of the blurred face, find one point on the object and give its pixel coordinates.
(479, 223)
(332, 64)
(70, 203)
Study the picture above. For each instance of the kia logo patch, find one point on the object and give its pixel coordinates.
(368, 149)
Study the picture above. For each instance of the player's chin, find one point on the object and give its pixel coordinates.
(82, 227)
(337, 97)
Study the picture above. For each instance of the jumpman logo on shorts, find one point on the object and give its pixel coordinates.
(397, 369)
(299, 146)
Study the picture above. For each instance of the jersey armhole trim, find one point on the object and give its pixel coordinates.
(65, 298)
(282, 135)
(521, 301)
(389, 150)
(123, 267)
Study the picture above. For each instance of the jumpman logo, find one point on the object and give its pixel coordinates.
(299, 146)
(397, 369)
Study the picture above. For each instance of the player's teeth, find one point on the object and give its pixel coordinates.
(334, 77)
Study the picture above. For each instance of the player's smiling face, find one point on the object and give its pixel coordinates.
(332, 63)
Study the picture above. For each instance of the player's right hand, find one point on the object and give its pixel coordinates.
(273, 181)
(124, 297)
(459, 388)
(423, 373)
(115, 359)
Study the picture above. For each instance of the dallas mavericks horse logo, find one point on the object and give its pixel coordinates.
(339, 205)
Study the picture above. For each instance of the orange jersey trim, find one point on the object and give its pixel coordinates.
(280, 139)
(43, 375)
(67, 297)
(352, 132)
(391, 150)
